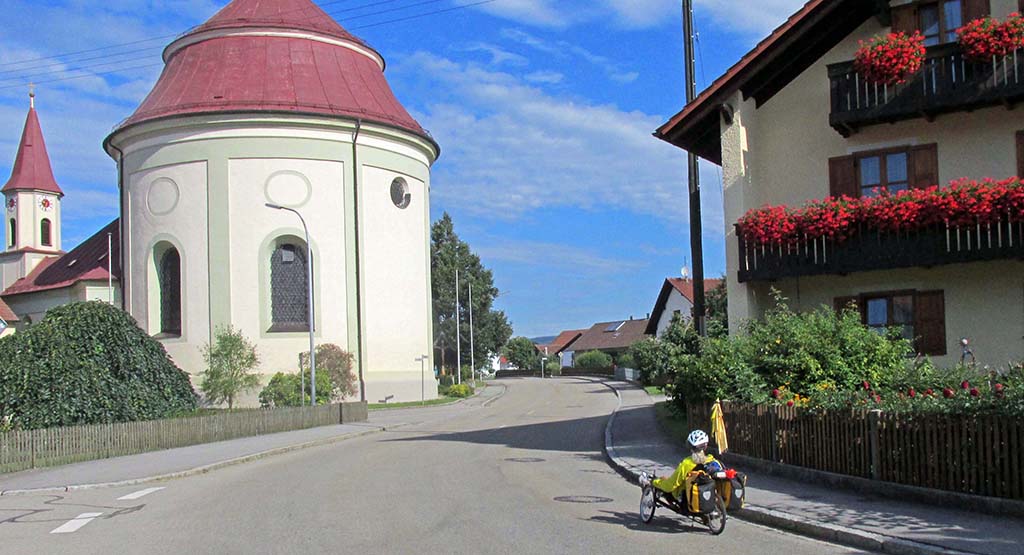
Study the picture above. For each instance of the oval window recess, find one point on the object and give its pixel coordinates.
(400, 194)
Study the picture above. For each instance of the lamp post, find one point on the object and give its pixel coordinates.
(309, 298)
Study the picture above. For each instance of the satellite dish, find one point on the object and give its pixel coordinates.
(685, 272)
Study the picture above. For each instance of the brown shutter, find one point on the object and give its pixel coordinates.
(904, 19)
(842, 177)
(1020, 148)
(930, 322)
(975, 9)
(924, 166)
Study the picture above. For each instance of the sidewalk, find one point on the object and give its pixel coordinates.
(635, 443)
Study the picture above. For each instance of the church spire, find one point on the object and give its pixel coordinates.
(32, 170)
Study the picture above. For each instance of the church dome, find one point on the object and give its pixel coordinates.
(273, 56)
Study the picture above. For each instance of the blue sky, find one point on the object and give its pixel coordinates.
(544, 110)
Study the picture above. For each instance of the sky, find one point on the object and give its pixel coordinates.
(544, 110)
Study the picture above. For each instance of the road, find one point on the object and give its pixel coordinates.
(517, 470)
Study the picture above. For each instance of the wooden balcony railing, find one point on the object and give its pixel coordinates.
(946, 83)
(873, 250)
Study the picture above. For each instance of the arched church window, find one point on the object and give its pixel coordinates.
(170, 292)
(288, 288)
(45, 233)
(13, 236)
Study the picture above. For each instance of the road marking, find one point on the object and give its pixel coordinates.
(74, 524)
(138, 494)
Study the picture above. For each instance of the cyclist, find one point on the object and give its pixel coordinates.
(676, 484)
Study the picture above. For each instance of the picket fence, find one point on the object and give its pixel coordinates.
(23, 450)
(981, 455)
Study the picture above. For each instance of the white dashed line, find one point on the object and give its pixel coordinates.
(74, 524)
(138, 494)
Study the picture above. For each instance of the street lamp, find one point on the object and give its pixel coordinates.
(309, 297)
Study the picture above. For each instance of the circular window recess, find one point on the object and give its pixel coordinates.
(400, 193)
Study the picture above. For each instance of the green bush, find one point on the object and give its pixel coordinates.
(553, 367)
(594, 360)
(88, 363)
(653, 359)
(459, 391)
(285, 390)
(626, 360)
(335, 363)
(231, 363)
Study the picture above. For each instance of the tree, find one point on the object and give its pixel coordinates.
(448, 253)
(336, 363)
(522, 354)
(718, 311)
(231, 362)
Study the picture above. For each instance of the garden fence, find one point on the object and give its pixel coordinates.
(22, 450)
(981, 455)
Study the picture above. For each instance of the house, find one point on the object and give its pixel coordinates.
(556, 346)
(35, 274)
(794, 121)
(8, 319)
(613, 338)
(676, 297)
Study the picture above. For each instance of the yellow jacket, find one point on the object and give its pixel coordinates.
(676, 483)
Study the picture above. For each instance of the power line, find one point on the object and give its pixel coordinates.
(425, 14)
(95, 74)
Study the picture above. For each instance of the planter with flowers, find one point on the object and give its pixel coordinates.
(890, 59)
(988, 39)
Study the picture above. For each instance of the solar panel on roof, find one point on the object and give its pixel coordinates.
(614, 326)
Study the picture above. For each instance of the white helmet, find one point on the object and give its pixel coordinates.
(698, 440)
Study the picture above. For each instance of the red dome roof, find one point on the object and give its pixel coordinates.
(273, 56)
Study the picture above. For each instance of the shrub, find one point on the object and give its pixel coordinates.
(553, 367)
(285, 390)
(88, 363)
(335, 363)
(460, 391)
(626, 360)
(231, 363)
(653, 359)
(594, 360)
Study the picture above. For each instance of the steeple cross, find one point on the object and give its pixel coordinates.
(32, 95)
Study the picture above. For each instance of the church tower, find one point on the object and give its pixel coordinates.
(32, 227)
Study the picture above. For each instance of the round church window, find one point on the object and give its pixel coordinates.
(400, 193)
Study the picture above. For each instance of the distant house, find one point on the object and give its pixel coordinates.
(9, 319)
(614, 338)
(676, 298)
(557, 345)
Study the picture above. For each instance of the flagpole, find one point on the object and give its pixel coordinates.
(458, 333)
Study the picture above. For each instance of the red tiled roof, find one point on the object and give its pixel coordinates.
(559, 344)
(32, 170)
(255, 72)
(685, 288)
(86, 262)
(598, 338)
(6, 313)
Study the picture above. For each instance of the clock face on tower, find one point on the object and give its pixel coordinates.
(46, 204)
(12, 204)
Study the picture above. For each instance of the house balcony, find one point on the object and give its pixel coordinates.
(947, 82)
(868, 250)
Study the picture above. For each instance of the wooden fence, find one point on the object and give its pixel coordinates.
(22, 450)
(981, 455)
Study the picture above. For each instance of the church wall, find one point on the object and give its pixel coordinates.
(32, 307)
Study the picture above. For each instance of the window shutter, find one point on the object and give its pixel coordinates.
(930, 322)
(924, 166)
(1020, 148)
(904, 19)
(975, 9)
(842, 177)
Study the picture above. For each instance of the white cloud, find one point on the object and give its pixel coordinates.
(758, 18)
(534, 12)
(511, 148)
(548, 77)
(569, 260)
(499, 56)
(566, 50)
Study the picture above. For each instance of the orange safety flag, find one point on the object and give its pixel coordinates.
(718, 427)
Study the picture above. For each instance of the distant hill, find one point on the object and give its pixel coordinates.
(546, 340)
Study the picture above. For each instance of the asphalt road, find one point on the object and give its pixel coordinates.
(522, 472)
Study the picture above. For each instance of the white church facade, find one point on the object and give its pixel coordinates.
(273, 103)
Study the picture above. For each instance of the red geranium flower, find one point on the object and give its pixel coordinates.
(891, 59)
(948, 393)
(975, 392)
(965, 384)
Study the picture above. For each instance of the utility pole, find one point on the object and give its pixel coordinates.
(472, 351)
(696, 235)
(458, 332)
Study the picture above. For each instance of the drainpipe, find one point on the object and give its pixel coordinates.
(121, 224)
(359, 300)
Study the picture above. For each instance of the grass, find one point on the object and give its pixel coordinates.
(428, 403)
(654, 390)
(673, 424)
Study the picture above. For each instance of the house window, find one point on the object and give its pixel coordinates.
(44, 233)
(882, 172)
(169, 277)
(919, 315)
(938, 21)
(13, 236)
(288, 288)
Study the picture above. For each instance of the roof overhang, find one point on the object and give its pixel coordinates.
(792, 48)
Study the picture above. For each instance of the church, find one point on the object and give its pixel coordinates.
(268, 120)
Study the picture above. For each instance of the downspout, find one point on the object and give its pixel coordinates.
(120, 224)
(355, 227)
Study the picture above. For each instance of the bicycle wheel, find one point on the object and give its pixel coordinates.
(715, 521)
(648, 502)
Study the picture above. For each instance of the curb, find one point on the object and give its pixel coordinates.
(199, 469)
(831, 533)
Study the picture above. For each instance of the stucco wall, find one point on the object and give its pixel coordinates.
(778, 154)
(676, 302)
